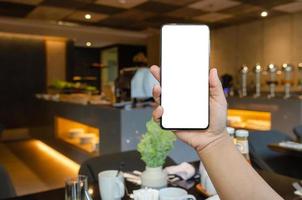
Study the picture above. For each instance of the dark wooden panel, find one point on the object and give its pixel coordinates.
(126, 54)
(83, 60)
(79, 63)
(15, 10)
(22, 74)
(69, 59)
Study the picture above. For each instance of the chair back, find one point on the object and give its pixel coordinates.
(1, 130)
(260, 154)
(298, 132)
(259, 141)
(7, 189)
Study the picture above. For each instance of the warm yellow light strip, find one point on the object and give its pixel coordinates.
(257, 120)
(30, 36)
(58, 156)
(261, 115)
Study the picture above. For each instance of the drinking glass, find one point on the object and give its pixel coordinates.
(76, 188)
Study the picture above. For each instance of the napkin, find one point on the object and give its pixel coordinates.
(291, 145)
(183, 170)
(298, 192)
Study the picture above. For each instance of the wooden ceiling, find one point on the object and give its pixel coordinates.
(144, 14)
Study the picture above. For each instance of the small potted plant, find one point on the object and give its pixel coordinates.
(154, 148)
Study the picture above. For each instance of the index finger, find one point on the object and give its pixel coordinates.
(155, 70)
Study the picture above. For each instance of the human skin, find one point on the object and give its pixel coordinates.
(232, 176)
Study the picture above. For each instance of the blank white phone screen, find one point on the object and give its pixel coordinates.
(184, 76)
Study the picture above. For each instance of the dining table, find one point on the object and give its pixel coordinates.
(281, 184)
(283, 149)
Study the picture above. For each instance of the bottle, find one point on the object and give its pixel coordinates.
(242, 142)
(231, 132)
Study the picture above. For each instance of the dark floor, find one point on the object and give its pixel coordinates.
(34, 166)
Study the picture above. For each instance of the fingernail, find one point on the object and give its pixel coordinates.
(214, 71)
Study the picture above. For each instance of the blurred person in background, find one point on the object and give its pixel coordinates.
(143, 81)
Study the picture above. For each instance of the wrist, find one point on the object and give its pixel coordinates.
(215, 140)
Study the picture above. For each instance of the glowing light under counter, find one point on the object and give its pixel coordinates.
(256, 120)
(63, 126)
(57, 156)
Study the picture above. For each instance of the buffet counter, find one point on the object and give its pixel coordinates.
(67, 126)
(102, 129)
(90, 129)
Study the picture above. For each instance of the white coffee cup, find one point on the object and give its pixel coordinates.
(146, 194)
(111, 186)
(173, 193)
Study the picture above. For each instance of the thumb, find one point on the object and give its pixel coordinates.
(216, 90)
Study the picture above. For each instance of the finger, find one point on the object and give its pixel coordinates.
(157, 113)
(156, 93)
(215, 84)
(155, 70)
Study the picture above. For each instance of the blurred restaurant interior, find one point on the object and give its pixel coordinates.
(67, 86)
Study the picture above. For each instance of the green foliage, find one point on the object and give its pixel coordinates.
(155, 144)
(90, 88)
(58, 84)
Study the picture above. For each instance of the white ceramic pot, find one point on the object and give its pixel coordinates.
(154, 177)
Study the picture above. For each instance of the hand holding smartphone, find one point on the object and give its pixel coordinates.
(185, 51)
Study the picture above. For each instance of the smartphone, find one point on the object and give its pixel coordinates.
(185, 52)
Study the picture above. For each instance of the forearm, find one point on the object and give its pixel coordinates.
(232, 176)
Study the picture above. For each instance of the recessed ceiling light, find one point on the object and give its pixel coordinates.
(87, 16)
(88, 44)
(264, 14)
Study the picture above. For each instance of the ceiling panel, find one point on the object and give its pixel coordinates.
(177, 2)
(120, 3)
(157, 7)
(214, 5)
(185, 12)
(27, 2)
(289, 7)
(49, 13)
(146, 14)
(102, 9)
(213, 17)
(134, 15)
(243, 9)
(123, 24)
(266, 3)
(69, 4)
